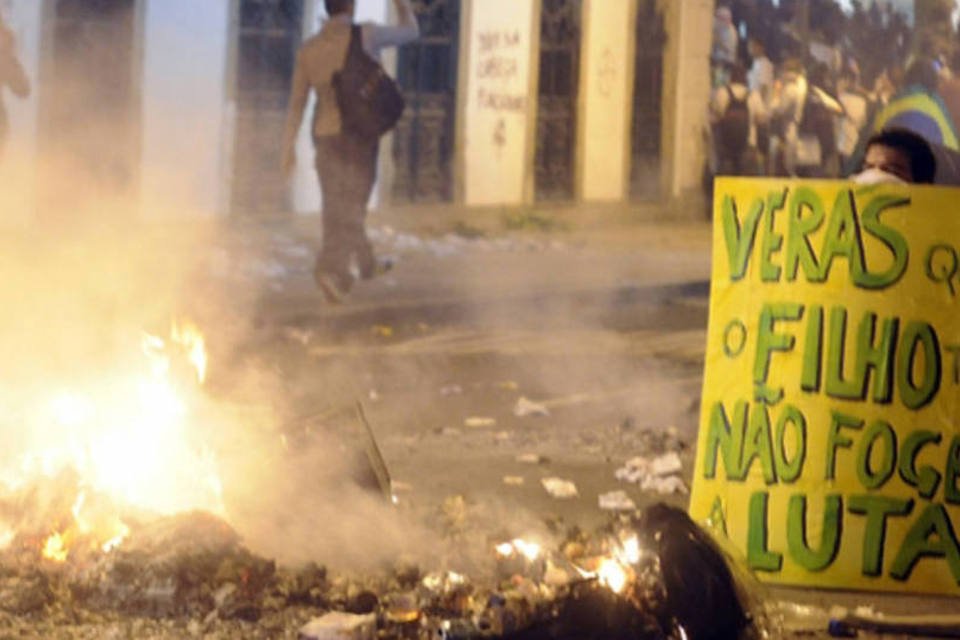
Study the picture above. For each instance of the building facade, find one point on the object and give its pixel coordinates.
(176, 107)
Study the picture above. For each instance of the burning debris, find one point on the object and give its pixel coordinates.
(117, 515)
(652, 574)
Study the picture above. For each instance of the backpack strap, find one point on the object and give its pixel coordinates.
(356, 37)
(735, 100)
(356, 43)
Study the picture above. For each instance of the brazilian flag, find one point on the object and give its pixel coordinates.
(920, 112)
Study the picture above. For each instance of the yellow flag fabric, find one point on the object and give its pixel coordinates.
(829, 442)
(922, 113)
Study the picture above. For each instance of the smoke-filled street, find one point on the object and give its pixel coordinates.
(479, 319)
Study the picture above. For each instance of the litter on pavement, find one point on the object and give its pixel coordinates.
(531, 458)
(660, 474)
(616, 501)
(479, 421)
(560, 488)
(526, 407)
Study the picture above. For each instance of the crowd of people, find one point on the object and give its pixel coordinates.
(814, 113)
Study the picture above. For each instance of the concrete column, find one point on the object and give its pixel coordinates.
(686, 93)
(18, 163)
(497, 98)
(605, 101)
(184, 98)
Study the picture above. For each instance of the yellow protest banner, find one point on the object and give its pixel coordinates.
(829, 444)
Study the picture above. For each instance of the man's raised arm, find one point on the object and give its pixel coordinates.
(406, 29)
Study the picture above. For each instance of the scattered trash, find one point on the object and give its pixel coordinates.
(401, 487)
(526, 407)
(373, 395)
(501, 436)
(664, 486)
(340, 626)
(616, 501)
(451, 390)
(479, 421)
(531, 458)
(560, 488)
(667, 464)
(514, 481)
(659, 474)
(450, 431)
(382, 330)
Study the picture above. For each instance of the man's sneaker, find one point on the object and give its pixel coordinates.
(329, 286)
(380, 267)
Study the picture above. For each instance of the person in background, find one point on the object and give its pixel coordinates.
(346, 165)
(761, 75)
(897, 156)
(949, 88)
(785, 111)
(12, 77)
(734, 112)
(723, 52)
(818, 126)
(857, 105)
(887, 84)
(919, 107)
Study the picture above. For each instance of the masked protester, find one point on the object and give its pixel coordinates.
(897, 156)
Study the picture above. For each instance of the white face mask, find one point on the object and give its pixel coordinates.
(876, 176)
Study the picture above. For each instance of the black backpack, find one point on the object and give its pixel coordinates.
(733, 128)
(369, 100)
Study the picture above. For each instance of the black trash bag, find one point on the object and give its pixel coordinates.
(683, 587)
(701, 593)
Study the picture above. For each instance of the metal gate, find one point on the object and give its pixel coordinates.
(268, 38)
(424, 137)
(557, 99)
(89, 130)
(647, 93)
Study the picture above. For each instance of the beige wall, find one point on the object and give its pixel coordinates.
(606, 88)
(686, 93)
(498, 90)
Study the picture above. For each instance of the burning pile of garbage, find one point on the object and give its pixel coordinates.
(653, 574)
(114, 510)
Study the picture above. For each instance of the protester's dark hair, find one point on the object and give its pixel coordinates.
(336, 6)
(923, 73)
(923, 164)
(758, 41)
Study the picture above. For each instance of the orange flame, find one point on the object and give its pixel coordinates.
(616, 571)
(128, 437)
(190, 338)
(55, 548)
